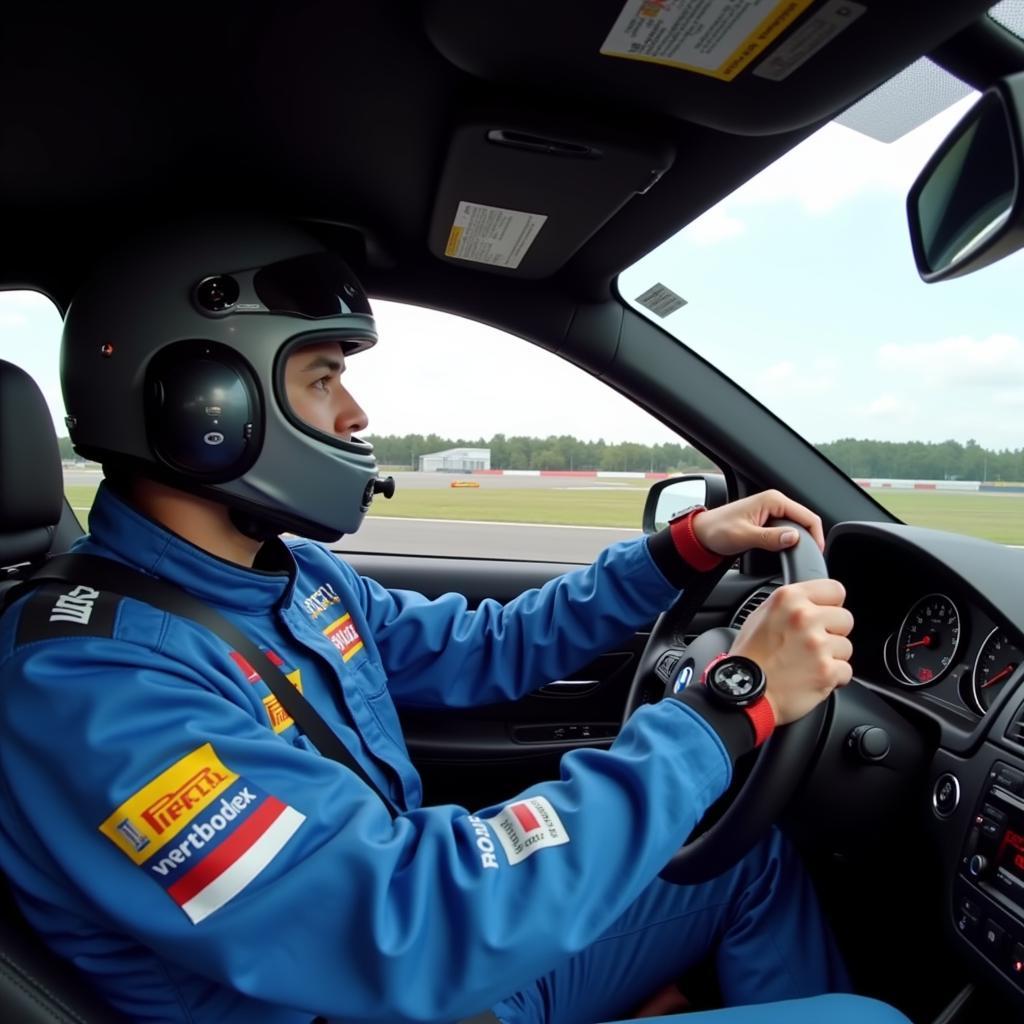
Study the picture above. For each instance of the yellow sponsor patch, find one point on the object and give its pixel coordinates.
(163, 807)
(342, 633)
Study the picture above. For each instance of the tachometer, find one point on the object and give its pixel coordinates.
(928, 640)
(996, 662)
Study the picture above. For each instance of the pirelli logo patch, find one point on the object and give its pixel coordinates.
(201, 831)
(278, 718)
(342, 633)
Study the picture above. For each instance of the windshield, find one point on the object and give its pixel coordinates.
(801, 286)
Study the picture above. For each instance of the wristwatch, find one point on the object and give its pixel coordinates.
(739, 683)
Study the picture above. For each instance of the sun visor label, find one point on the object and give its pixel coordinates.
(710, 37)
(808, 39)
(491, 235)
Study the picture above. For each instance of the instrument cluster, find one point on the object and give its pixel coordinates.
(942, 639)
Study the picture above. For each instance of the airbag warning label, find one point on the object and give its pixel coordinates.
(711, 37)
(488, 234)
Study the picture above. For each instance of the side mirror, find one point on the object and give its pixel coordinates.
(966, 208)
(667, 498)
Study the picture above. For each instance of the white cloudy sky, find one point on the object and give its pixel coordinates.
(800, 285)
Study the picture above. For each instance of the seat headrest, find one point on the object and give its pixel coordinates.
(31, 478)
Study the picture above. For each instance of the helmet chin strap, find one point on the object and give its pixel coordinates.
(254, 527)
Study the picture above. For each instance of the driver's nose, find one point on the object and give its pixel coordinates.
(350, 418)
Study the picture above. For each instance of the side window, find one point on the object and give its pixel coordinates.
(499, 449)
(30, 326)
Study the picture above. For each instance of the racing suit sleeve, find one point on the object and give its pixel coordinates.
(180, 820)
(440, 653)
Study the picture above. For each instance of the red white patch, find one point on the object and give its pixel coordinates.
(527, 826)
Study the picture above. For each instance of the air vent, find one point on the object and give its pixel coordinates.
(756, 599)
(1015, 730)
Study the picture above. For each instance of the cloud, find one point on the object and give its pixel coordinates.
(787, 378)
(995, 363)
(12, 320)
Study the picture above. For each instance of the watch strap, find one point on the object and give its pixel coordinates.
(760, 713)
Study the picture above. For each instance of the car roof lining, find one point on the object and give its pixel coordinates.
(287, 110)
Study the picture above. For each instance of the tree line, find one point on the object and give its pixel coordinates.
(945, 460)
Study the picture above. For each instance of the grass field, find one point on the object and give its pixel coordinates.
(995, 518)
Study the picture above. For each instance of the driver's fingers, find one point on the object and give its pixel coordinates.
(819, 592)
(837, 620)
(839, 647)
(786, 508)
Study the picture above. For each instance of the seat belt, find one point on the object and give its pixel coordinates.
(117, 578)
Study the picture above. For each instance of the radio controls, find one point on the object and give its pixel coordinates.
(977, 864)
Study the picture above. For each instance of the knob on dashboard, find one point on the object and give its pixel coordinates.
(976, 865)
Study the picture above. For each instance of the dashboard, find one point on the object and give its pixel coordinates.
(939, 666)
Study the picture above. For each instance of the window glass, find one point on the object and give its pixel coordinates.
(30, 326)
(499, 448)
(801, 286)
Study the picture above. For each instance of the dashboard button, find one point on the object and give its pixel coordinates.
(946, 795)
(1017, 962)
(992, 936)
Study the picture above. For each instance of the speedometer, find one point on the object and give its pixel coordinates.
(997, 661)
(928, 640)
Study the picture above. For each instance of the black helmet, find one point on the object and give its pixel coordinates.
(172, 367)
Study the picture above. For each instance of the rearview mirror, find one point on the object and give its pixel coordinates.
(667, 498)
(966, 208)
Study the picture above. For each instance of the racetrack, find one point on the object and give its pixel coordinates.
(488, 522)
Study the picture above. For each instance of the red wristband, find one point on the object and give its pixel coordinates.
(690, 549)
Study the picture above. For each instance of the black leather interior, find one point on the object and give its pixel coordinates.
(36, 987)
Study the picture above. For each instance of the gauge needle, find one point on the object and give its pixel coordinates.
(926, 642)
(999, 676)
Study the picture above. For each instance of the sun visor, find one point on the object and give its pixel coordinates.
(519, 197)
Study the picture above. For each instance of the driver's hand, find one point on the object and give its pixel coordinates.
(739, 526)
(799, 637)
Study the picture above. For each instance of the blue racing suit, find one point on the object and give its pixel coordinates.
(168, 829)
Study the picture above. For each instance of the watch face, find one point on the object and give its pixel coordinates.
(736, 680)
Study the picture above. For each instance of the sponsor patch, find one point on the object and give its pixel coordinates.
(66, 609)
(527, 826)
(217, 848)
(277, 716)
(342, 633)
(320, 601)
(153, 816)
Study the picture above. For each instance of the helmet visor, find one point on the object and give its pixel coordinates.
(317, 286)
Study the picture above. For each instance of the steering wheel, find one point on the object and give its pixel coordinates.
(782, 761)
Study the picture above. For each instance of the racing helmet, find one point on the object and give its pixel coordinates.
(172, 367)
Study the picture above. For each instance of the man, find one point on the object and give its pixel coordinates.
(169, 830)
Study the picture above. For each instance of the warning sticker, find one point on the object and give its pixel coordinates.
(711, 37)
(661, 300)
(525, 827)
(808, 39)
(488, 234)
